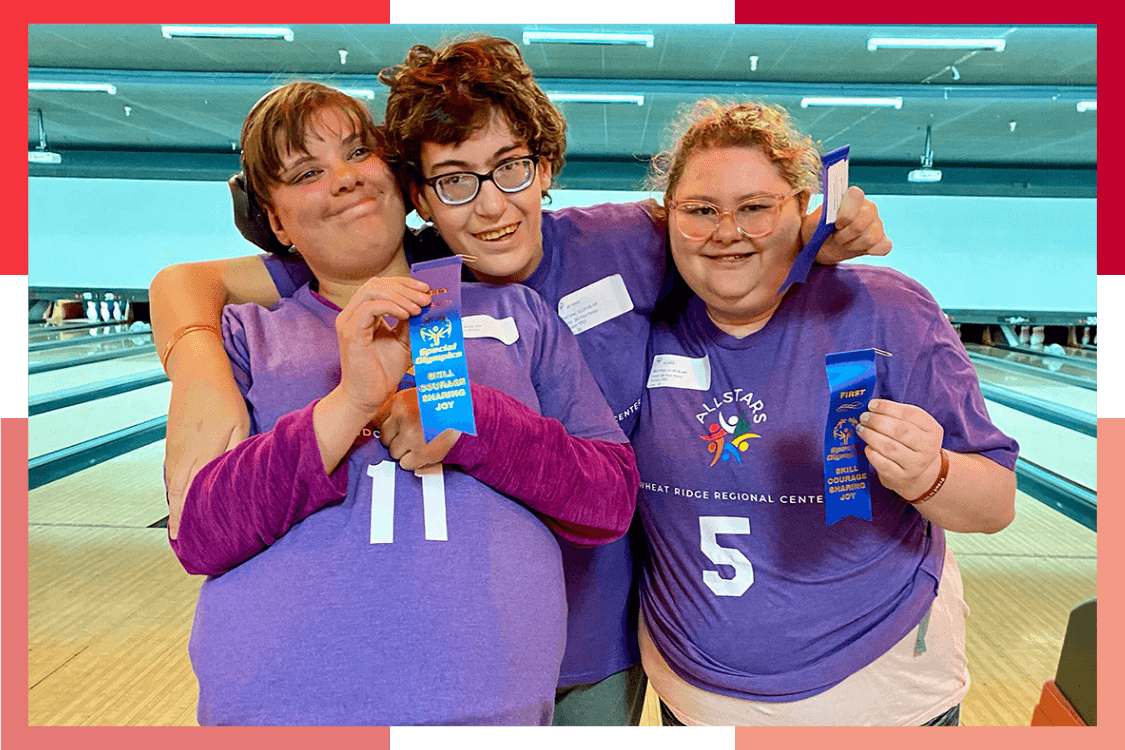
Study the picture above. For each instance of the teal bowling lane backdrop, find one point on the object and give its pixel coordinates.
(982, 253)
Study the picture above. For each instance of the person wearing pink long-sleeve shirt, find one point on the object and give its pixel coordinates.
(361, 575)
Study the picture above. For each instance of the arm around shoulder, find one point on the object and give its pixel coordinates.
(206, 413)
(192, 293)
(248, 498)
(586, 489)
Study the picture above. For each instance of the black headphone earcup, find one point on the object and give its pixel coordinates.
(251, 219)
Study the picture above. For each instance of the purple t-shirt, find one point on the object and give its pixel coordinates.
(748, 593)
(461, 618)
(603, 267)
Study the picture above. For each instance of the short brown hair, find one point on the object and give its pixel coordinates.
(713, 124)
(289, 110)
(447, 95)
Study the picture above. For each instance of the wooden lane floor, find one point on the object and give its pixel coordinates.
(1020, 585)
(109, 607)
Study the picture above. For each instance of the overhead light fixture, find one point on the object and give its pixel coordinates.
(878, 42)
(927, 173)
(105, 88)
(637, 99)
(588, 37)
(41, 155)
(852, 101)
(924, 175)
(1088, 106)
(229, 32)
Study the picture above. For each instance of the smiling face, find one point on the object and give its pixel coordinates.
(501, 230)
(736, 277)
(338, 204)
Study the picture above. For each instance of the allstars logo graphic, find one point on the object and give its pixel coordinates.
(728, 437)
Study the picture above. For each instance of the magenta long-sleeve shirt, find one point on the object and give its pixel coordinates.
(244, 500)
(374, 596)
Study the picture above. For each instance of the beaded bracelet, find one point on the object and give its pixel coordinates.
(943, 473)
(179, 334)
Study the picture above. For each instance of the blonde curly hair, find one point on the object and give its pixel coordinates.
(710, 123)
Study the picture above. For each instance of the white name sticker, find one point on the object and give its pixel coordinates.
(595, 304)
(675, 371)
(487, 327)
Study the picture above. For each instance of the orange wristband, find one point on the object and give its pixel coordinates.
(179, 334)
(943, 473)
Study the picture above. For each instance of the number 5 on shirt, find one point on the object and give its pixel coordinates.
(383, 502)
(709, 528)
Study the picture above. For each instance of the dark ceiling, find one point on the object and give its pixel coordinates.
(1003, 123)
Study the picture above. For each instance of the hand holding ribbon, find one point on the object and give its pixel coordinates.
(373, 357)
(833, 182)
(859, 230)
(400, 430)
(903, 446)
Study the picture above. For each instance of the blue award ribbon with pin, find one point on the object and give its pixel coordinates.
(847, 483)
(437, 347)
(834, 181)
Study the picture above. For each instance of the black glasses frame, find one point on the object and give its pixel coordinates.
(487, 176)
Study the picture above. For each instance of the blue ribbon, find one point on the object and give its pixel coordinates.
(437, 345)
(800, 269)
(851, 382)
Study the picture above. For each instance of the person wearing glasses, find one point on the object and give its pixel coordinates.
(354, 579)
(756, 611)
(478, 144)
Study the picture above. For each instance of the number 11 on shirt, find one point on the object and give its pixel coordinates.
(383, 502)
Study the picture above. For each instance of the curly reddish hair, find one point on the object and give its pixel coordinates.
(714, 124)
(444, 96)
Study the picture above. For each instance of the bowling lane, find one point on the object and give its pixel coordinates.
(1061, 450)
(1037, 361)
(60, 339)
(141, 339)
(1039, 388)
(72, 377)
(74, 424)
